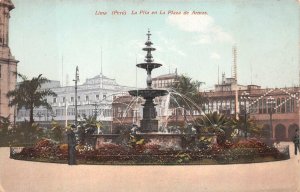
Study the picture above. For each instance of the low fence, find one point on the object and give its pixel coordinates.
(284, 149)
(17, 148)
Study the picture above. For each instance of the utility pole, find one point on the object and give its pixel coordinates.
(271, 102)
(245, 97)
(76, 81)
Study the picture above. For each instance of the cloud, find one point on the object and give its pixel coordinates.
(176, 50)
(168, 45)
(204, 25)
(215, 56)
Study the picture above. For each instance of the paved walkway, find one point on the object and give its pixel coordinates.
(23, 176)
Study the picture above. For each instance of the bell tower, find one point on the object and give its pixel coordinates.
(8, 63)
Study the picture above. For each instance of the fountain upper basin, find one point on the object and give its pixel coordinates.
(149, 65)
(148, 93)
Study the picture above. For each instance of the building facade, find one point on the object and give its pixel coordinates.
(8, 64)
(279, 118)
(275, 109)
(164, 81)
(94, 98)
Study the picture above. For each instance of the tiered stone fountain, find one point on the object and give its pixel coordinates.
(149, 123)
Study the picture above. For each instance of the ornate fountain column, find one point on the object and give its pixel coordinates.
(149, 123)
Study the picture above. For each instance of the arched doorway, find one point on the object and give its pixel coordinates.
(292, 129)
(266, 131)
(280, 132)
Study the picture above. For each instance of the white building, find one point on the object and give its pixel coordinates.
(94, 97)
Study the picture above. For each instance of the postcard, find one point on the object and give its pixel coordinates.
(160, 95)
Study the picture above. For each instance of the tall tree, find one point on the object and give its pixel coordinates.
(28, 94)
(186, 94)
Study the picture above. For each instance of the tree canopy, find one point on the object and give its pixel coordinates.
(28, 94)
(185, 93)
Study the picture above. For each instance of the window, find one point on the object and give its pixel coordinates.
(288, 106)
(260, 106)
(72, 99)
(54, 100)
(104, 96)
(255, 107)
(292, 105)
(64, 99)
(78, 98)
(282, 105)
(278, 103)
(264, 106)
(87, 98)
(97, 97)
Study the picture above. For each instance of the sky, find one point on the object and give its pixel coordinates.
(52, 37)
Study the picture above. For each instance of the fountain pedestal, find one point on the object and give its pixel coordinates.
(149, 123)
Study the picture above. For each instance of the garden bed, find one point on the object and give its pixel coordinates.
(250, 151)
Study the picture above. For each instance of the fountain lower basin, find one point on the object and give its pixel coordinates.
(164, 140)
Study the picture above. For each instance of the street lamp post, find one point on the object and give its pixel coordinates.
(96, 105)
(66, 114)
(271, 102)
(245, 97)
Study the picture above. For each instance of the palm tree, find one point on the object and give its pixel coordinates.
(213, 122)
(28, 94)
(186, 94)
(218, 124)
(253, 129)
(87, 127)
(56, 131)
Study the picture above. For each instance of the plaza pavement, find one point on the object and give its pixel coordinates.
(24, 176)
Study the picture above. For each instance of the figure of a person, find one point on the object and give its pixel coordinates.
(71, 147)
(134, 129)
(296, 142)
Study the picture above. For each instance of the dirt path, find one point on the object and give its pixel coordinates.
(23, 176)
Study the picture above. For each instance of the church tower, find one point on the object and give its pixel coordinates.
(8, 64)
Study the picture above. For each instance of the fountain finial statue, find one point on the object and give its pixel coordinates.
(149, 123)
(148, 34)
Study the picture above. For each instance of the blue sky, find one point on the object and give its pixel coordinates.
(266, 35)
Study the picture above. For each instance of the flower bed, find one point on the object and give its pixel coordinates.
(244, 151)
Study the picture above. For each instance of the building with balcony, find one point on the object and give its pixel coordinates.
(279, 118)
(164, 81)
(94, 98)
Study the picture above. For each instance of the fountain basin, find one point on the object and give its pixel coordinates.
(149, 66)
(148, 93)
(164, 140)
